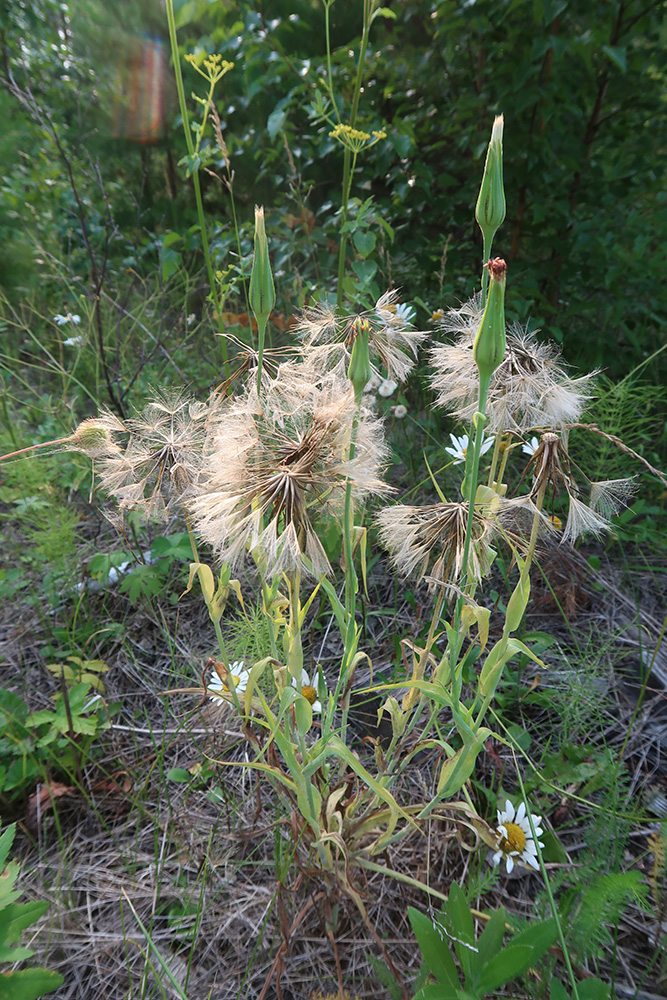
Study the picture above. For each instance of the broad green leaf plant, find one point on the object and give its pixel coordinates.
(15, 918)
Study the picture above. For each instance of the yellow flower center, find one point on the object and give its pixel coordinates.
(516, 839)
(309, 693)
(556, 521)
(235, 681)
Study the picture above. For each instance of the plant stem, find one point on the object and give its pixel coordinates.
(169, 4)
(348, 170)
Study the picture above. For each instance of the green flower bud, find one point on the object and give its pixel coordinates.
(489, 347)
(360, 372)
(490, 210)
(262, 291)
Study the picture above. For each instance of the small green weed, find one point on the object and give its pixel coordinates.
(51, 741)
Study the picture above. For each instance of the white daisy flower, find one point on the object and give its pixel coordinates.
(400, 411)
(387, 387)
(396, 314)
(516, 844)
(460, 445)
(67, 318)
(309, 691)
(237, 673)
(530, 447)
(190, 319)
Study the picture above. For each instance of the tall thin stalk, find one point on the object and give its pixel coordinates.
(195, 180)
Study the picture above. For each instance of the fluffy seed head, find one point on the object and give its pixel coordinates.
(393, 342)
(162, 457)
(278, 462)
(530, 388)
(431, 540)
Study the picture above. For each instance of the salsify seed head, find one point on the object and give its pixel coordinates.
(552, 470)
(328, 337)
(429, 541)
(530, 388)
(161, 460)
(277, 462)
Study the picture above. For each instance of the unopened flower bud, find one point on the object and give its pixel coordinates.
(490, 210)
(489, 347)
(359, 371)
(262, 291)
(94, 437)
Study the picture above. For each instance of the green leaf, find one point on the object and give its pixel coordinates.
(432, 992)
(28, 984)
(178, 774)
(385, 12)
(401, 143)
(6, 841)
(460, 925)
(17, 916)
(538, 937)
(170, 261)
(278, 116)
(364, 270)
(435, 949)
(618, 55)
(557, 991)
(504, 967)
(364, 242)
(593, 989)
(15, 954)
(491, 939)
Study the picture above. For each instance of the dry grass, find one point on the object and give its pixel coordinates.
(204, 866)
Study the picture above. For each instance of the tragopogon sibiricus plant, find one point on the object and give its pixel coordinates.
(262, 474)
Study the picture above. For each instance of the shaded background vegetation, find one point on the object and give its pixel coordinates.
(581, 85)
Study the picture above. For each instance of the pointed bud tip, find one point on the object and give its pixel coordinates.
(497, 130)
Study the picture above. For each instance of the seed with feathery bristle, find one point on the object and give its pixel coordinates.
(162, 457)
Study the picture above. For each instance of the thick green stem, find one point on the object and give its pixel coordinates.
(485, 270)
(472, 474)
(195, 178)
(351, 589)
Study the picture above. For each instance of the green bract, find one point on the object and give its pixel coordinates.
(489, 346)
(490, 209)
(262, 291)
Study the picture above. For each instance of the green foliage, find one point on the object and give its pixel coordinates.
(587, 989)
(78, 671)
(51, 741)
(485, 963)
(591, 910)
(15, 918)
(143, 580)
